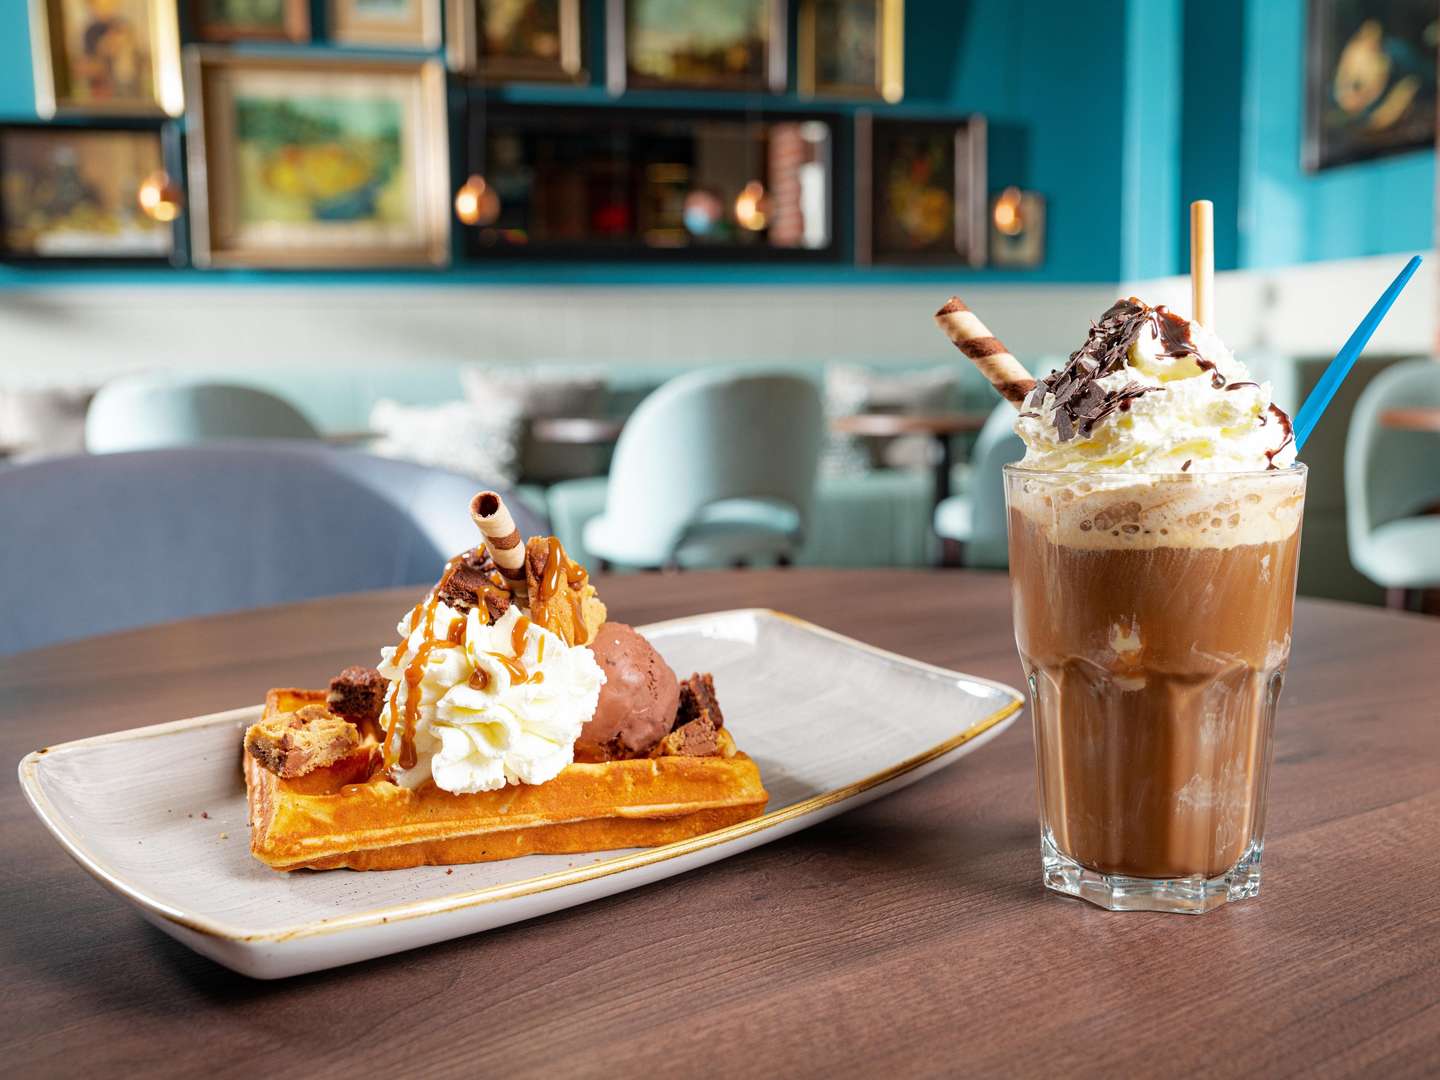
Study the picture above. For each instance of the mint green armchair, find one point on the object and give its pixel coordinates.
(713, 467)
(976, 517)
(153, 411)
(1391, 478)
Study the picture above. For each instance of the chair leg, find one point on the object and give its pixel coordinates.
(740, 564)
(602, 566)
(952, 553)
(783, 560)
(1398, 599)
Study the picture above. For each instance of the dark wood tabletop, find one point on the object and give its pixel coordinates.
(909, 937)
(1417, 419)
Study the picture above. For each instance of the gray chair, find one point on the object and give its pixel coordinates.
(713, 467)
(101, 543)
(1392, 478)
(149, 411)
(976, 517)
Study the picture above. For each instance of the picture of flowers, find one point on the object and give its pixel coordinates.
(922, 190)
(71, 193)
(315, 162)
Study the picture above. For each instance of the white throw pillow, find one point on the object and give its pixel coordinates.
(480, 442)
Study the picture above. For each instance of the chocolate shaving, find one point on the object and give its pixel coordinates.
(1238, 385)
(1080, 403)
(1186, 466)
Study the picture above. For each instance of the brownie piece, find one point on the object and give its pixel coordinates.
(473, 577)
(357, 694)
(697, 700)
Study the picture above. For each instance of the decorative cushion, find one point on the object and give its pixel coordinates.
(43, 421)
(536, 393)
(483, 443)
(851, 389)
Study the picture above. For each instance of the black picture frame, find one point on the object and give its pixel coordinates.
(172, 158)
(495, 118)
(962, 174)
(1380, 44)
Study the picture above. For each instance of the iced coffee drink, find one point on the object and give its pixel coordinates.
(1154, 536)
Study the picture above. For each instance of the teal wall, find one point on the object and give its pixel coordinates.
(1119, 111)
(1290, 216)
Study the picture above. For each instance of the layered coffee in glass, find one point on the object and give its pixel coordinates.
(1154, 537)
(1153, 621)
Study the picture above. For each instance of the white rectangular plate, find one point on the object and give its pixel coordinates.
(158, 813)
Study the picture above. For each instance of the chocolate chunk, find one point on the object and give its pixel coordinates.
(697, 699)
(698, 738)
(357, 694)
(471, 576)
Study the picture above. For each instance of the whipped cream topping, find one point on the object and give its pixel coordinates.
(1150, 392)
(491, 703)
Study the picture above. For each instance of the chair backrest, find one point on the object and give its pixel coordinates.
(146, 412)
(997, 445)
(1391, 474)
(100, 543)
(710, 436)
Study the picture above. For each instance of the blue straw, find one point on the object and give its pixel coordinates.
(1334, 375)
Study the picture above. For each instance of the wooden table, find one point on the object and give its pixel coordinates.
(941, 427)
(908, 937)
(1411, 419)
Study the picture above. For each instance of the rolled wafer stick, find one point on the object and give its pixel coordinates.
(502, 538)
(964, 328)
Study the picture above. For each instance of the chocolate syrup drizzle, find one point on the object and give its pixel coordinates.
(1080, 403)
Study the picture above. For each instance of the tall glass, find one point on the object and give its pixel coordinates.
(1153, 617)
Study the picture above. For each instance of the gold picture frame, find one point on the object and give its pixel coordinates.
(469, 52)
(303, 162)
(293, 25)
(127, 64)
(645, 49)
(414, 24)
(821, 68)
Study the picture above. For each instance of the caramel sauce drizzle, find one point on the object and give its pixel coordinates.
(558, 567)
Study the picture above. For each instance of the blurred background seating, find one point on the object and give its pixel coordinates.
(1392, 481)
(153, 411)
(714, 468)
(104, 542)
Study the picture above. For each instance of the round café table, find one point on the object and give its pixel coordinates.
(941, 427)
(907, 937)
(1418, 419)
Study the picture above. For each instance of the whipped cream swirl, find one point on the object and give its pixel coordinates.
(1150, 392)
(503, 704)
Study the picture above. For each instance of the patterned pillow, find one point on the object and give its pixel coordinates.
(481, 442)
(543, 392)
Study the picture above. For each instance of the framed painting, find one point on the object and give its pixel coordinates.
(655, 185)
(1017, 229)
(501, 41)
(308, 162)
(920, 190)
(399, 24)
(851, 49)
(717, 45)
(251, 20)
(72, 194)
(1369, 79)
(116, 57)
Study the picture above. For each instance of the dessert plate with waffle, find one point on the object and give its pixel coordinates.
(514, 752)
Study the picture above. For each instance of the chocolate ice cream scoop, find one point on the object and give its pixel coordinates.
(638, 701)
